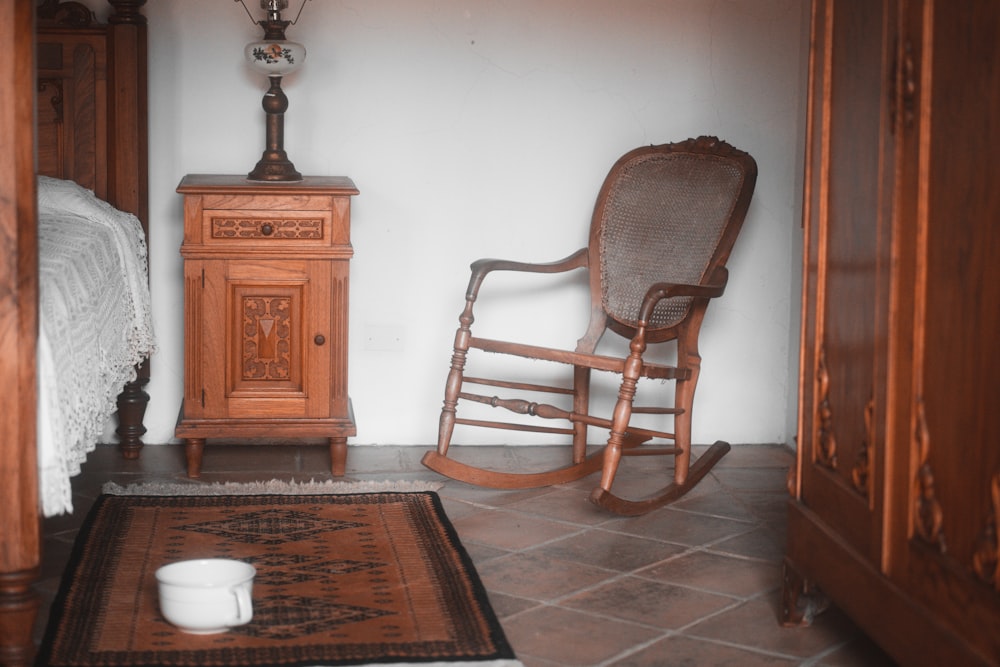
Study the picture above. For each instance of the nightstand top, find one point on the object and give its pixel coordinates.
(208, 183)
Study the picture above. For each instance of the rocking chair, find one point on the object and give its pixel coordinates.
(664, 224)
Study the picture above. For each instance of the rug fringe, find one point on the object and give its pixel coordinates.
(272, 487)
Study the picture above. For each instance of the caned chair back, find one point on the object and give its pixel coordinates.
(668, 213)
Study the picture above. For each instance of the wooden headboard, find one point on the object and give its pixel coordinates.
(91, 101)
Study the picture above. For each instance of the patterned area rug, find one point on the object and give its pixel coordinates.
(366, 578)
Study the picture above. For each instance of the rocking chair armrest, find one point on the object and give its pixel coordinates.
(714, 288)
(481, 267)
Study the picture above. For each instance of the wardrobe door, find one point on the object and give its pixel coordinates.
(948, 547)
(848, 211)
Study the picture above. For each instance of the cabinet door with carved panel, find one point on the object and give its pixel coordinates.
(846, 281)
(264, 338)
(947, 478)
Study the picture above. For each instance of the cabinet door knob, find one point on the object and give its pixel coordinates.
(319, 339)
(267, 229)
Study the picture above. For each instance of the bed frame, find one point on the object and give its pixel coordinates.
(89, 86)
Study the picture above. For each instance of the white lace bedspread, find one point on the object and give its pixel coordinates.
(94, 327)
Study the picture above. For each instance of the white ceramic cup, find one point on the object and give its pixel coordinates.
(207, 595)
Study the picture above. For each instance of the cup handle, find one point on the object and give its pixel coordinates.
(244, 605)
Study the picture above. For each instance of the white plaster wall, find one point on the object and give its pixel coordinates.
(484, 128)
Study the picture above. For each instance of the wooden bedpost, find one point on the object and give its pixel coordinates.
(128, 175)
(19, 516)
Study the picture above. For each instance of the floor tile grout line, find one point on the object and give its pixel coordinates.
(728, 536)
(803, 662)
(700, 589)
(538, 515)
(678, 508)
(635, 572)
(819, 657)
(681, 631)
(668, 632)
(637, 648)
(593, 614)
(749, 527)
(559, 601)
(746, 647)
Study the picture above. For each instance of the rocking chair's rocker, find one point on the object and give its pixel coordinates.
(664, 224)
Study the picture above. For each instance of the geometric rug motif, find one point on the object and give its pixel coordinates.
(270, 527)
(286, 616)
(278, 570)
(341, 580)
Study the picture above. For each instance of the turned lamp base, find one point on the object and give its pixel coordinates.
(274, 164)
(274, 167)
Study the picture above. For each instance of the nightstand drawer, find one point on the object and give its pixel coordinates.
(300, 228)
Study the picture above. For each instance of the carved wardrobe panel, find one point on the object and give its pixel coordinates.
(896, 492)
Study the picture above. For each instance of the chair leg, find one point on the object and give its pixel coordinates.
(684, 401)
(623, 411)
(689, 358)
(194, 449)
(581, 406)
(453, 385)
(439, 461)
(686, 476)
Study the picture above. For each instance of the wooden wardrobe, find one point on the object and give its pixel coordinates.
(896, 492)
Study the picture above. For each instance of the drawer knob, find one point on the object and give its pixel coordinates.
(319, 339)
(267, 229)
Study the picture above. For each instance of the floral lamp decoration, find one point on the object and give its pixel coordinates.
(274, 56)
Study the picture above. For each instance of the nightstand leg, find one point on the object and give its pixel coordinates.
(193, 449)
(338, 456)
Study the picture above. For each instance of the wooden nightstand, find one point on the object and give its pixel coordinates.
(265, 312)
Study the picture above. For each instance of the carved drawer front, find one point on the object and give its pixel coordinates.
(267, 228)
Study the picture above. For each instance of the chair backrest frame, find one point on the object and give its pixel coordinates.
(697, 177)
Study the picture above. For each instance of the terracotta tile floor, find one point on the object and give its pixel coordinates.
(696, 583)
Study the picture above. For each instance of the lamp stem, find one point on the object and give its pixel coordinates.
(274, 164)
